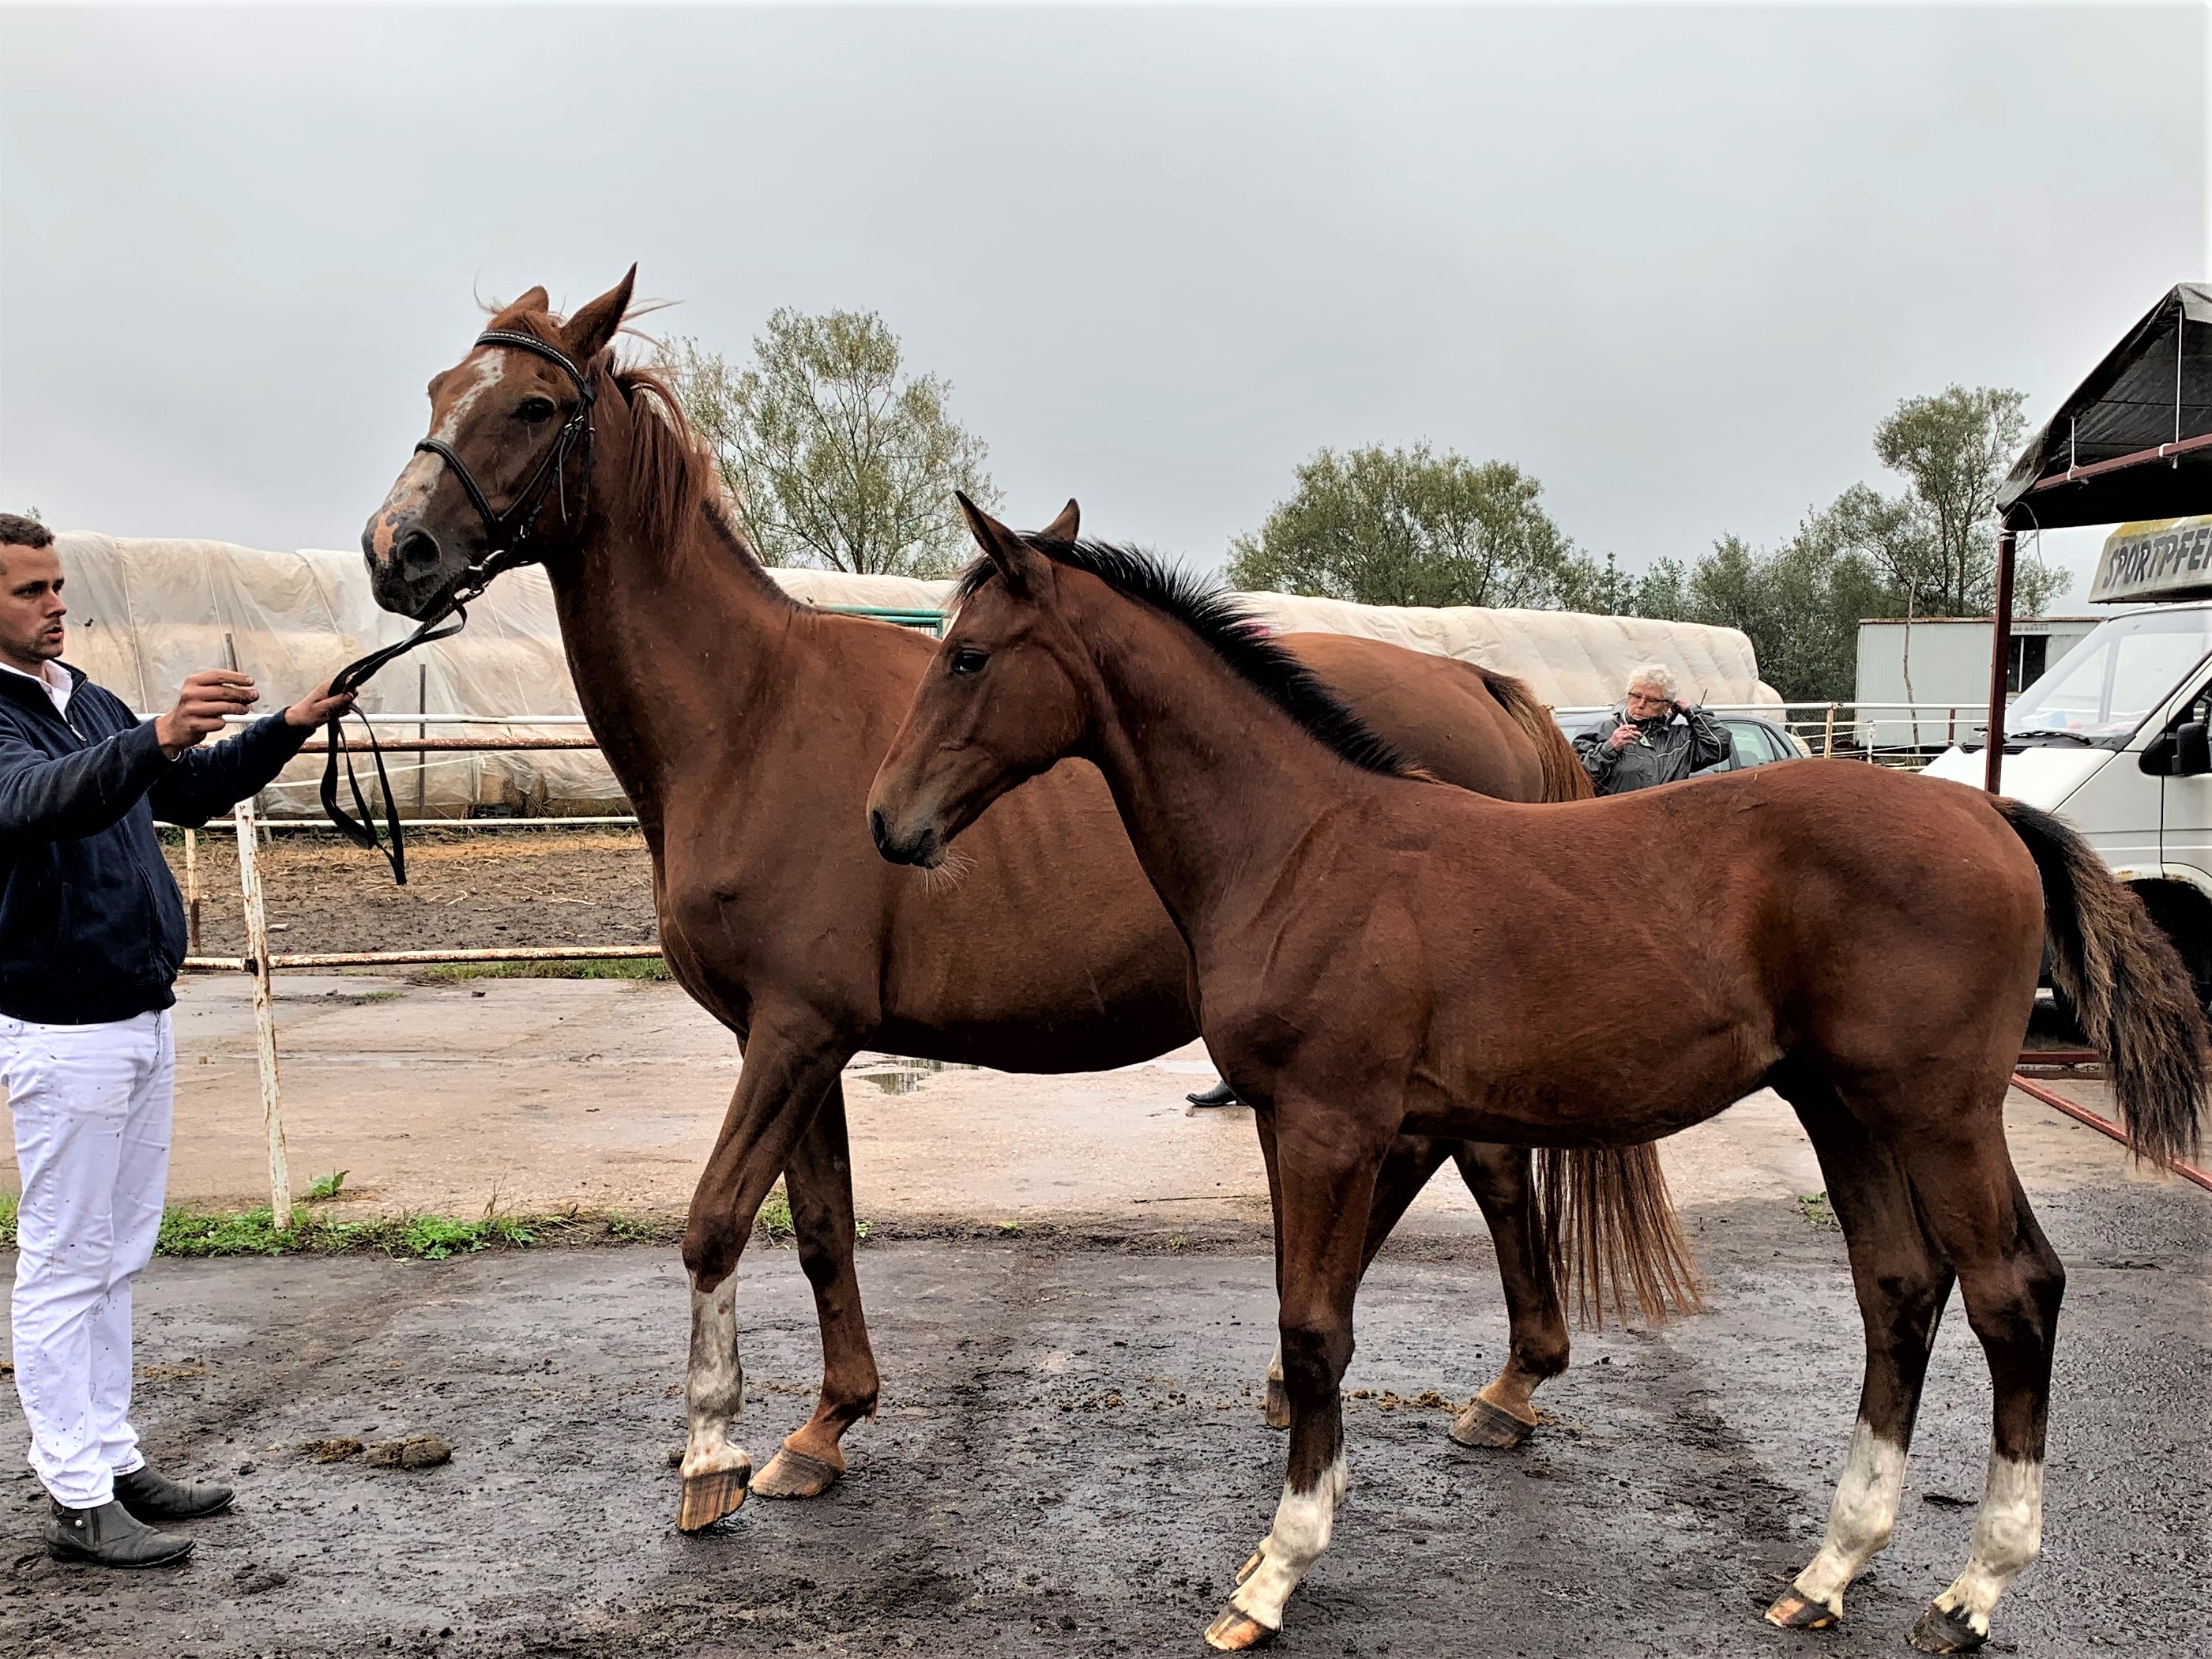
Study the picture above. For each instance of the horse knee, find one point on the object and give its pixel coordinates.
(1315, 1357)
(709, 1251)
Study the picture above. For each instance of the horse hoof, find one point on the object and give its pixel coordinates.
(1796, 1612)
(1484, 1425)
(794, 1475)
(1276, 1411)
(1236, 1631)
(708, 1498)
(1944, 1631)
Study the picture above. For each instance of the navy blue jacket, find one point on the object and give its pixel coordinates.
(91, 928)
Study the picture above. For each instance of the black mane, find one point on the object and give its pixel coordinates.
(1230, 633)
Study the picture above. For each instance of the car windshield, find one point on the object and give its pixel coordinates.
(2101, 690)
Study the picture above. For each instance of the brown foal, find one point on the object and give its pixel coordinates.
(1376, 955)
(746, 728)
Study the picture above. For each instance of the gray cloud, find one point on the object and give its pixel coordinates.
(1676, 261)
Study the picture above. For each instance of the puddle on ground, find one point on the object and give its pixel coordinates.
(899, 1074)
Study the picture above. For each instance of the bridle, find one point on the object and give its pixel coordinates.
(506, 533)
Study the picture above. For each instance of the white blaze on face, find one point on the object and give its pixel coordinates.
(420, 476)
(1860, 1519)
(1304, 1522)
(2008, 1535)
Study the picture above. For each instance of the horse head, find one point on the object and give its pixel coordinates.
(501, 478)
(1003, 701)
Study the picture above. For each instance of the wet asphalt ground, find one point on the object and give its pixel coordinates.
(1070, 1460)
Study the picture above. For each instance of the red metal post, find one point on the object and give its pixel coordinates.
(2000, 665)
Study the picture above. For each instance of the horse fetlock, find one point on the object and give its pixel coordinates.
(1303, 1524)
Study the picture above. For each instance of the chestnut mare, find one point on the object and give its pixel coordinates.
(746, 728)
(1378, 956)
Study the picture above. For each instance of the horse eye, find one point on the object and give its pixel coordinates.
(535, 411)
(969, 660)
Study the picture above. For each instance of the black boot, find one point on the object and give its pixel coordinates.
(154, 1498)
(1219, 1094)
(110, 1536)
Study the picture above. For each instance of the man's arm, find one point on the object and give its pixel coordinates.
(44, 799)
(206, 781)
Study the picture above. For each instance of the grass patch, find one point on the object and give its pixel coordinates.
(1817, 1212)
(646, 968)
(8, 1203)
(326, 1186)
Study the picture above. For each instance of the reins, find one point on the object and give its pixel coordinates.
(504, 534)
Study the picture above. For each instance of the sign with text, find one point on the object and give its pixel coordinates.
(2155, 559)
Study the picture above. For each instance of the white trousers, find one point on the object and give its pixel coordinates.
(91, 1104)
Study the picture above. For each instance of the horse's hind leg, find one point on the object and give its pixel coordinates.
(1902, 1284)
(1412, 1160)
(819, 1179)
(783, 1081)
(2013, 1282)
(1504, 1414)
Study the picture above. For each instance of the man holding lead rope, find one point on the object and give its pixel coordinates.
(92, 935)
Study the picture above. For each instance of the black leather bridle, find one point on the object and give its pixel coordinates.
(506, 533)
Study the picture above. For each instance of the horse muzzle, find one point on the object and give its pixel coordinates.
(410, 569)
(918, 845)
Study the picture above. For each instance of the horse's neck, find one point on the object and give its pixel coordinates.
(1217, 787)
(671, 649)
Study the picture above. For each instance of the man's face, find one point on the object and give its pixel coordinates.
(31, 608)
(1647, 703)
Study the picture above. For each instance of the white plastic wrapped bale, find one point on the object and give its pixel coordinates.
(147, 612)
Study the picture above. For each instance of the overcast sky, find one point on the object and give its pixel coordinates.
(1677, 263)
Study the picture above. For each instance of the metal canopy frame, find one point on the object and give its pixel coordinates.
(2133, 441)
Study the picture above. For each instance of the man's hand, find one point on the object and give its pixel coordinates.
(1622, 736)
(207, 699)
(318, 706)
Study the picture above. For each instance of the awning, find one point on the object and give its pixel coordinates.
(2135, 441)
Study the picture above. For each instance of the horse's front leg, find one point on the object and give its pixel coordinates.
(1328, 1163)
(1502, 1183)
(819, 1180)
(785, 1077)
(1413, 1159)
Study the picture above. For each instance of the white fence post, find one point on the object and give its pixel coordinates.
(264, 1015)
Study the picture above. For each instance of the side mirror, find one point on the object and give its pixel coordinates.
(2192, 750)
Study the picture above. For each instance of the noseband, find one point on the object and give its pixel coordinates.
(504, 534)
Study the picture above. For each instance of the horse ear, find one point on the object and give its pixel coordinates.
(1065, 527)
(1016, 561)
(536, 299)
(589, 332)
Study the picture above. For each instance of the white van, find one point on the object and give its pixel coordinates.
(2112, 738)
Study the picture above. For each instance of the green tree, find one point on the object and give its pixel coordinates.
(835, 456)
(1407, 527)
(1954, 450)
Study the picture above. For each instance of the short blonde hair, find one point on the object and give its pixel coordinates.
(1658, 676)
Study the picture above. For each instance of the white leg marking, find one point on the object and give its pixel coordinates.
(1275, 1365)
(1303, 1521)
(1860, 1519)
(715, 1383)
(2008, 1533)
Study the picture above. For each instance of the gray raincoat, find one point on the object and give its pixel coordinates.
(1669, 748)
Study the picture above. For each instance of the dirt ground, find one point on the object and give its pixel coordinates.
(1069, 1460)
(464, 889)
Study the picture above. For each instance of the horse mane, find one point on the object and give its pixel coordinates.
(672, 476)
(1231, 633)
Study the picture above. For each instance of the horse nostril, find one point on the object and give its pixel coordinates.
(879, 830)
(417, 547)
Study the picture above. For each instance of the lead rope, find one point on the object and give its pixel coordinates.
(362, 831)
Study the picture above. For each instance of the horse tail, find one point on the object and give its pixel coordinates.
(1610, 1230)
(2133, 996)
(1564, 777)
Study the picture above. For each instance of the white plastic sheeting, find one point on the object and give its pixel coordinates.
(146, 612)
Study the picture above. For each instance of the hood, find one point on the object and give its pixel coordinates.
(2043, 776)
